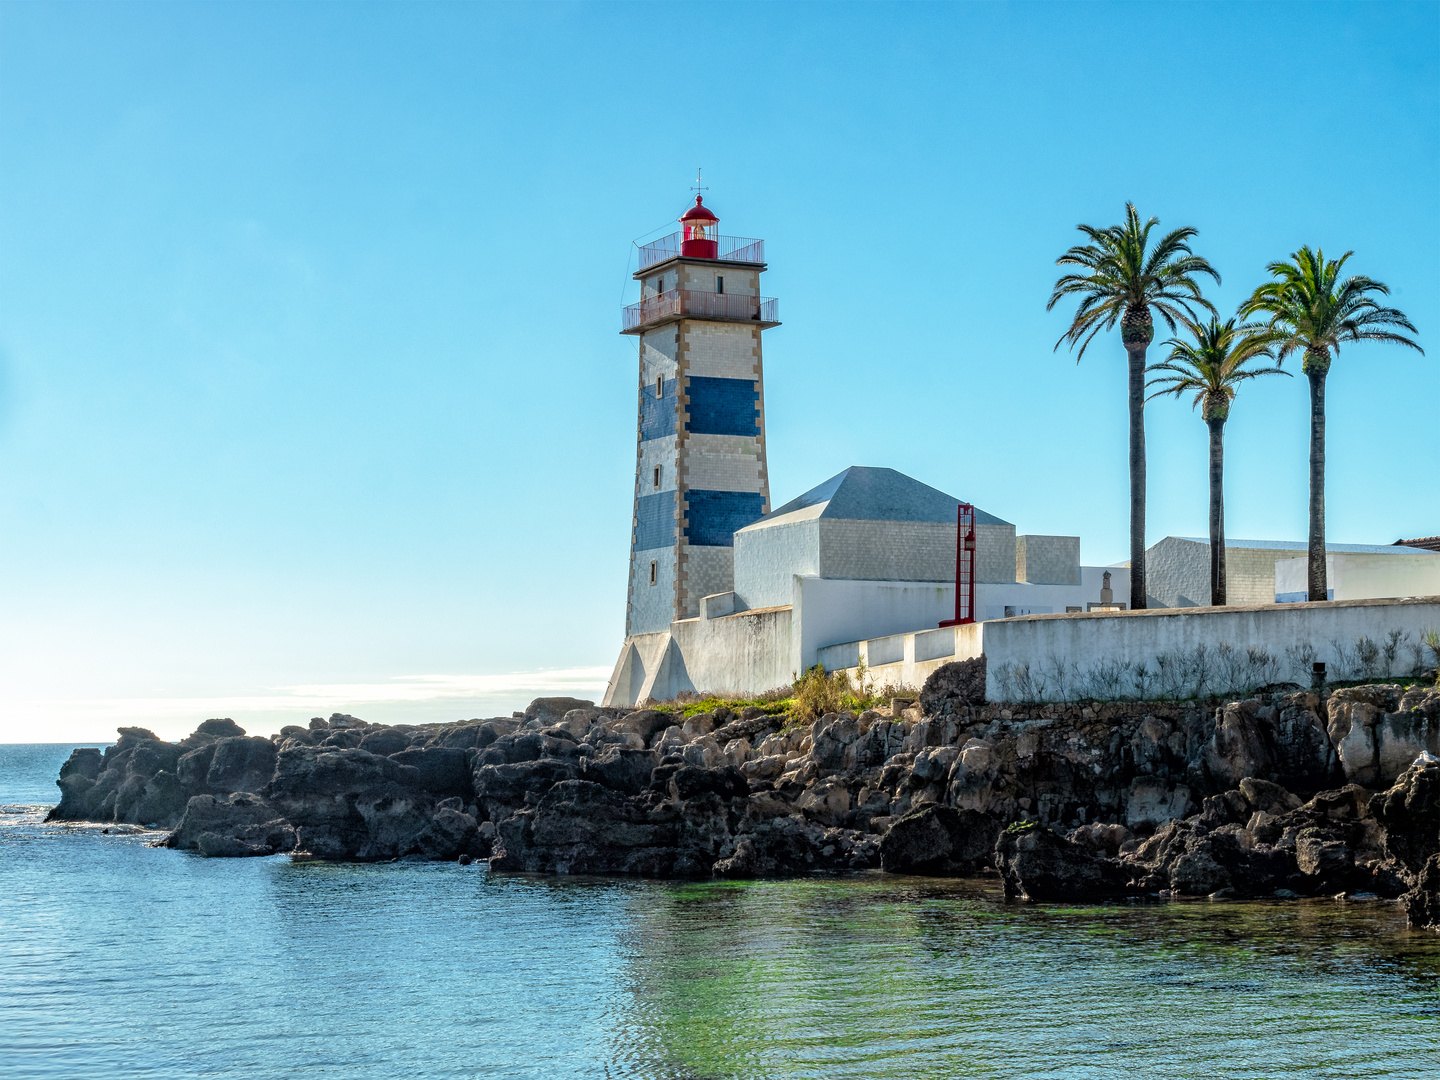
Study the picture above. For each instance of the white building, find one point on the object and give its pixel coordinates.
(1362, 575)
(869, 553)
(1177, 571)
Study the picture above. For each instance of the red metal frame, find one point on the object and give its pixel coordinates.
(964, 566)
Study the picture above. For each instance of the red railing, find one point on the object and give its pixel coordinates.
(704, 305)
(733, 248)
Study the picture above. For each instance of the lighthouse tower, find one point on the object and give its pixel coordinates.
(700, 471)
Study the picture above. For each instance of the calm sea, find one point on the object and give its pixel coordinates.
(119, 960)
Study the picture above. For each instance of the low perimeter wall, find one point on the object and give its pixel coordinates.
(1165, 653)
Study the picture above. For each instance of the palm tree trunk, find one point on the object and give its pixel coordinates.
(1136, 353)
(1217, 511)
(1318, 590)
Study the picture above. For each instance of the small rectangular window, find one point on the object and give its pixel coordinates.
(652, 571)
(719, 284)
(657, 477)
(659, 385)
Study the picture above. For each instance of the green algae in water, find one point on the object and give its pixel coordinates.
(882, 977)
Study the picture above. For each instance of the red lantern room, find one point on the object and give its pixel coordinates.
(700, 225)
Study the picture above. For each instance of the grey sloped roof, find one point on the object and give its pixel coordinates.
(862, 493)
(1301, 545)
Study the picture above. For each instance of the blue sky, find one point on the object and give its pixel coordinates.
(311, 395)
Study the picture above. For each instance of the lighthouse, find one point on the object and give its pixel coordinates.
(700, 432)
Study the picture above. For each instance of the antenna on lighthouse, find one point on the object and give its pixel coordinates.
(698, 187)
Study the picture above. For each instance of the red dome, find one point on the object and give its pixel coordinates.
(699, 212)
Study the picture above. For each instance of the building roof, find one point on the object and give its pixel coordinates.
(1429, 543)
(1301, 545)
(699, 212)
(862, 493)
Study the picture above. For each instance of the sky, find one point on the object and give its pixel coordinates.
(312, 396)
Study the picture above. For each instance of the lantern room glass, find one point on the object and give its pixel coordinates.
(699, 240)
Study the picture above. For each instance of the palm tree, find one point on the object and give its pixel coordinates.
(1313, 311)
(1123, 279)
(1214, 365)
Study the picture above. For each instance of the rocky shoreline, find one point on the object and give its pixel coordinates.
(1287, 793)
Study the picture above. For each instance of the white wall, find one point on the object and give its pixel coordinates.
(1087, 643)
(830, 610)
(1362, 576)
(768, 556)
(735, 655)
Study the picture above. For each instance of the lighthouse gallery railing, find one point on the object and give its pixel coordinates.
(701, 305)
(731, 248)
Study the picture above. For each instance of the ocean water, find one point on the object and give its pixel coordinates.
(120, 960)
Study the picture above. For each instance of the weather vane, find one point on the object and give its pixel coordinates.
(697, 187)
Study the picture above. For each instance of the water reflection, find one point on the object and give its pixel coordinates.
(879, 977)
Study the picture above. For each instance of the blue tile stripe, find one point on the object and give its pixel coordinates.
(655, 521)
(723, 406)
(657, 415)
(713, 516)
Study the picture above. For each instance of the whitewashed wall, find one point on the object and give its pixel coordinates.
(1061, 652)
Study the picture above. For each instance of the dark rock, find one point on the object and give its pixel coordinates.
(525, 746)
(230, 826)
(194, 767)
(161, 801)
(503, 789)
(783, 846)
(1284, 742)
(752, 727)
(552, 709)
(1261, 795)
(622, 770)
(953, 686)
(451, 833)
(689, 781)
(581, 827)
(1322, 857)
(1422, 902)
(86, 761)
(939, 840)
(350, 803)
(444, 771)
(477, 734)
(1193, 859)
(647, 723)
(833, 738)
(1410, 813)
(213, 730)
(1038, 864)
(385, 742)
(240, 763)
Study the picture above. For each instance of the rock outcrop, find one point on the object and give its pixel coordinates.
(939, 840)
(1284, 793)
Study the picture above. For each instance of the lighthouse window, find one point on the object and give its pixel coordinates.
(657, 477)
(652, 571)
(659, 385)
(719, 284)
